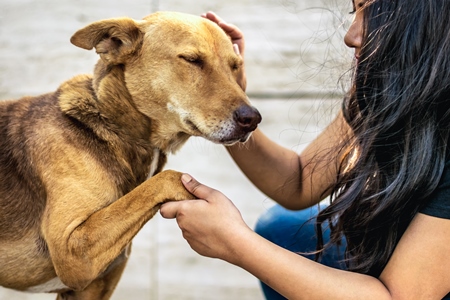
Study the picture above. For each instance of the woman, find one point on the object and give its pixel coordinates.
(384, 160)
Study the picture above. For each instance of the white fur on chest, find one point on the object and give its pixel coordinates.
(155, 162)
(54, 284)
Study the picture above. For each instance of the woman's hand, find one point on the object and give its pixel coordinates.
(209, 224)
(237, 38)
(236, 35)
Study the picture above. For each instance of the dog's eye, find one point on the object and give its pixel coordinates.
(235, 64)
(193, 59)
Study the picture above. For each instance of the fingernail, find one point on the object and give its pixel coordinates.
(186, 178)
(236, 49)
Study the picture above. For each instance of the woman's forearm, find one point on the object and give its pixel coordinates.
(297, 277)
(272, 168)
(294, 181)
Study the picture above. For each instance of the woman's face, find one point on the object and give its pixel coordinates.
(353, 37)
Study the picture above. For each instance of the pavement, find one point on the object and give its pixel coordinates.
(296, 66)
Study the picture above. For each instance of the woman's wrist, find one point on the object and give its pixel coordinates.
(240, 246)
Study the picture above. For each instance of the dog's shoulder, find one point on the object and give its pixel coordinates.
(22, 192)
(35, 132)
(105, 119)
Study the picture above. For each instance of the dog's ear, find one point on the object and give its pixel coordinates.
(114, 39)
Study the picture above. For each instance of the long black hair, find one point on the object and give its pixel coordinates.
(399, 111)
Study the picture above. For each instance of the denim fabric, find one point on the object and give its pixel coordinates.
(295, 231)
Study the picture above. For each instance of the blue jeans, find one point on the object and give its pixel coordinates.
(295, 231)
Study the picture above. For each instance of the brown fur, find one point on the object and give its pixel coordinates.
(74, 163)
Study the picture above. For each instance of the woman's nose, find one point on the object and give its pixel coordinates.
(353, 37)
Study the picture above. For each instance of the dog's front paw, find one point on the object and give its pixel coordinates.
(169, 186)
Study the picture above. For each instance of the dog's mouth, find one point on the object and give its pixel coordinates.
(237, 140)
(227, 133)
(234, 129)
(194, 128)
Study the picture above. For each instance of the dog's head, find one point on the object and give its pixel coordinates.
(180, 70)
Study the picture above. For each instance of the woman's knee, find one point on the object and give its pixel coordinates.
(293, 230)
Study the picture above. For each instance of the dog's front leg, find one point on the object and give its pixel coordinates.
(102, 287)
(93, 244)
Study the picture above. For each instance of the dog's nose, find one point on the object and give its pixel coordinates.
(247, 117)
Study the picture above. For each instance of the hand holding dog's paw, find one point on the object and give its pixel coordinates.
(209, 223)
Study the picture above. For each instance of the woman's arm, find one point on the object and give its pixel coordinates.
(419, 268)
(213, 227)
(294, 181)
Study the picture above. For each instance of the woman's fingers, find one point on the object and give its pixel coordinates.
(171, 210)
(236, 35)
(197, 189)
(212, 16)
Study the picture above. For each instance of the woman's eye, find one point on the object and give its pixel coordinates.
(357, 6)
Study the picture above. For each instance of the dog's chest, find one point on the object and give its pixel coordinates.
(52, 285)
(154, 163)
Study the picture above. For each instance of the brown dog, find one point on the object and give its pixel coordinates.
(72, 162)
